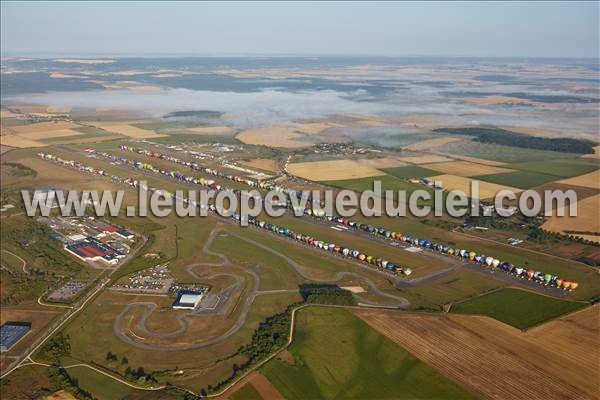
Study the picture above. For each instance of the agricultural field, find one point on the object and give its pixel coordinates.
(518, 179)
(278, 136)
(494, 360)
(465, 168)
(410, 171)
(264, 164)
(500, 153)
(561, 168)
(125, 128)
(519, 308)
(333, 170)
(486, 189)
(586, 220)
(373, 365)
(589, 180)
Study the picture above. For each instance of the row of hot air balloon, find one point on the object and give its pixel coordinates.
(482, 259)
(472, 256)
(194, 166)
(206, 182)
(281, 230)
(331, 247)
(266, 185)
(538, 276)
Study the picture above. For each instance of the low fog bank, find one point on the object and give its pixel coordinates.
(252, 109)
(242, 110)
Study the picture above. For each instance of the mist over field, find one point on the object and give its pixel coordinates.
(276, 105)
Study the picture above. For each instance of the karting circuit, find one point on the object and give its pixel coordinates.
(227, 268)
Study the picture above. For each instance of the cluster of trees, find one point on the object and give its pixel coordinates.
(271, 334)
(508, 138)
(318, 293)
(60, 378)
(138, 375)
(57, 347)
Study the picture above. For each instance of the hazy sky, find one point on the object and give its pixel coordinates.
(539, 29)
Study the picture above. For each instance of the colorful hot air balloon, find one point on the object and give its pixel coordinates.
(559, 282)
(530, 274)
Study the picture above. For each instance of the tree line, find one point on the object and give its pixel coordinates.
(508, 138)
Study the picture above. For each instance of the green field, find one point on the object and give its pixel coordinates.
(247, 392)
(519, 308)
(102, 387)
(388, 182)
(519, 179)
(560, 168)
(411, 171)
(354, 362)
(498, 152)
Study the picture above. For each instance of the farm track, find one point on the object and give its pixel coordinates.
(246, 304)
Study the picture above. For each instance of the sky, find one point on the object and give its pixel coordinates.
(484, 29)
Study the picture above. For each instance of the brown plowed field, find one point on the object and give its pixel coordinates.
(558, 360)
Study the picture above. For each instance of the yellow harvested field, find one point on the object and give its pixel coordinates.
(124, 128)
(587, 219)
(20, 142)
(274, 136)
(486, 189)
(211, 130)
(59, 109)
(589, 180)
(465, 168)
(44, 127)
(50, 134)
(313, 128)
(557, 360)
(266, 164)
(333, 170)
(427, 144)
(425, 159)
(383, 162)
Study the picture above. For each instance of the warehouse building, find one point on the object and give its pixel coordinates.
(187, 300)
(11, 332)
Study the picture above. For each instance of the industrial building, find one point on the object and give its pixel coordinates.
(11, 332)
(188, 299)
(91, 249)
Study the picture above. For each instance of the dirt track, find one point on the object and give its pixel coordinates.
(494, 360)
